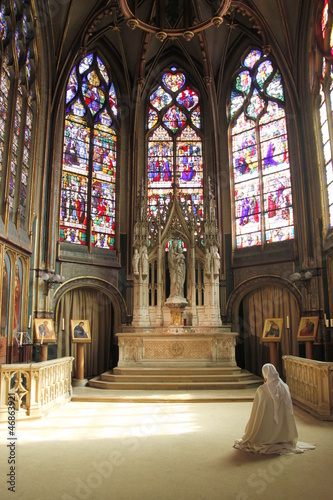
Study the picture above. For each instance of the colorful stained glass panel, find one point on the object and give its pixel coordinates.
(73, 209)
(188, 98)
(152, 117)
(265, 69)
(174, 81)
(256, 105)
(243, 82)
(275, 89)
(103, 71)
(247, 205)
(189, 159)
(236, 102)
(174, 119)
(76, 147)
(86, 63)
(72, 86)
(252, 58)
(245, 156)
(160, 99)
(113, 99)
(195, 117)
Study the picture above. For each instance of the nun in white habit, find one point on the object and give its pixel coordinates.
(271, 427)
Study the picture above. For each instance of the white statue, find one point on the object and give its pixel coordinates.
(208, 262)
(216, 262)
(135, 262)
(144, 261)
(176, 261)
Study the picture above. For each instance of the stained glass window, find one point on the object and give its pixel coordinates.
(88, 191)
(17, 84)
(260, 157)
(175, 146)
(15, 146)
(325, 43)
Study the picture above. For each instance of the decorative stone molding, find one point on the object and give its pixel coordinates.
(37, 387)
(311, 385)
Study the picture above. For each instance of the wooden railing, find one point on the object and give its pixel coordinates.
(311, 385)
(35, 387)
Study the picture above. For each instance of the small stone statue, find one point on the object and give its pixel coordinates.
(216, 262)
(208, 262)
(144, 261)
(135, 262)
(177, 269)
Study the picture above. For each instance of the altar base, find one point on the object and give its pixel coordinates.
(176, 346)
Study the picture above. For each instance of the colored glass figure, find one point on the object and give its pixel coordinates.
(17, 44)
(245, 155)
(262, 120)
(25, 162)
(152, 117)
(265, 69)
(188, 98)
(5, 296)
(14, 159)
(243, 82)
(103, 71)
(113, 99)
(174, 81)
(252, 58)
(86, 63)
(81, 156)
(28, 65)
(195, 117)
(3, 24)
(256, 105)
(236, 102)
(72, 86)
(93, 94)
(160, 99)
(174, 119)
(275, 89)
(4, 95)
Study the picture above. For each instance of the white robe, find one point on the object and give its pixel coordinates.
(264, 435)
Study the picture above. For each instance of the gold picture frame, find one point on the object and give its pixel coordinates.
(272, 330)
(80, 330)
(307, 328)
(44, 331)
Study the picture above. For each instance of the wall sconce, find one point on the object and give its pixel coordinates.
(50, 279)
(305, 275)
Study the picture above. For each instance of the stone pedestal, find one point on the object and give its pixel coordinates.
(176, 346)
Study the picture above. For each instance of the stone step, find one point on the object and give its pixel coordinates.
(165, 378)
(175, 371)
(140, 385)
(185, 378)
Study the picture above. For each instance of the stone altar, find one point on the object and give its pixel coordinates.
(176, 269)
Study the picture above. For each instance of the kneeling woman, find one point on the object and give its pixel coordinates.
(271, 427)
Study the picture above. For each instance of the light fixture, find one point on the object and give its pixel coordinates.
(170, 18)
(304, 275)
(50, 279)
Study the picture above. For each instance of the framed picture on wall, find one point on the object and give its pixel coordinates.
(44, 330)
(272, 330)
(308, 327)
(80, 330)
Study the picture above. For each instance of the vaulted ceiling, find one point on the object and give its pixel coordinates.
(78, 24)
